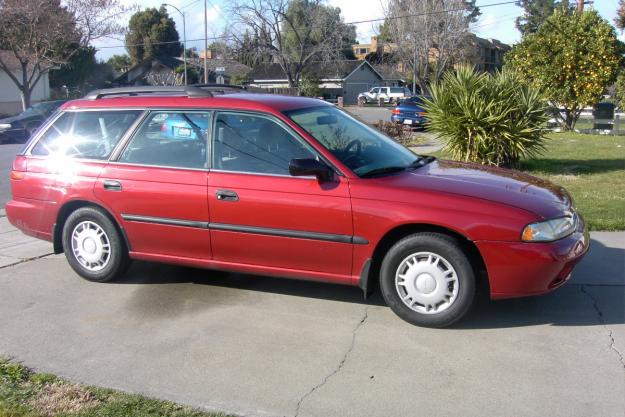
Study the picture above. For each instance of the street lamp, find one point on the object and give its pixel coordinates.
(184, 40)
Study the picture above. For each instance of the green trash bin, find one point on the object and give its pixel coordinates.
(604, 116)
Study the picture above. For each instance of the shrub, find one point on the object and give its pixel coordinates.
(394, 131)
(484, 118)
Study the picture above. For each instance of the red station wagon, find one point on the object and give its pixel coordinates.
(290, 187)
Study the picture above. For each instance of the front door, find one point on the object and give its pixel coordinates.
(157, 186)
(260, 215)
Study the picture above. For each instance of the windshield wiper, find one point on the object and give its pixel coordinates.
(384, 170)
(423, 160)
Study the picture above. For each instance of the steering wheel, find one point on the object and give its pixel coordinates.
(351, 144)
(352, 159)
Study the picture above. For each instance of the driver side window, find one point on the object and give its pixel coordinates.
(87, 134)
(254, 144)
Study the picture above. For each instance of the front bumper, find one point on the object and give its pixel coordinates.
(518, 269)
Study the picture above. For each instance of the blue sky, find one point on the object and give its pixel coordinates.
(496, 22)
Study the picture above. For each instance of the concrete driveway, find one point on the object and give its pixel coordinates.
(7, 153)
(260, 346)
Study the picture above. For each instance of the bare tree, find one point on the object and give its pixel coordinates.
(164, 78)
(39, 35)
(292, 33)
(430, 35)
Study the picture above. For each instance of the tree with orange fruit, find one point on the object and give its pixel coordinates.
(572, 59)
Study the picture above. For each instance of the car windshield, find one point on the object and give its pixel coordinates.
(359, 147)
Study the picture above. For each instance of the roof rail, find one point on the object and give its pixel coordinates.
(189, 91)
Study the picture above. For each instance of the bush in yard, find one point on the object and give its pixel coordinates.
(484, 118)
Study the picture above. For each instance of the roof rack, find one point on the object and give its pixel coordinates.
(189, 91)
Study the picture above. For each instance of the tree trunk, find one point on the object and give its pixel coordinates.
(25, 89)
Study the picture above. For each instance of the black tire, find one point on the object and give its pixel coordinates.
(117, 260)
(445, 247)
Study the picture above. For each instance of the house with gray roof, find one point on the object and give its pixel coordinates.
(344, 79)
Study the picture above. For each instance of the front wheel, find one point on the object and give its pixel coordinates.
(427, 280)
(93, 246)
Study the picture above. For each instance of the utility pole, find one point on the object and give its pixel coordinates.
(184, 35)
(205, 45)
(580, 6)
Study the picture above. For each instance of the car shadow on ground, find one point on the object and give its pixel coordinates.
(594, 296)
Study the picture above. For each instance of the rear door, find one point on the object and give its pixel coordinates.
(157, 186)
(261, 215)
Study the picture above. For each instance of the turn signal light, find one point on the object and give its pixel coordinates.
(17, 175)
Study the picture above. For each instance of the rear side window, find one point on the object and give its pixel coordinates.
(397, 90)
(170, 139)
(87, 134)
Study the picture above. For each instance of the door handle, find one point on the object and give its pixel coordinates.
(112, 185)
(226, 195)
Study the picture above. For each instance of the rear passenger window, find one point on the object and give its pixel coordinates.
(170, 139)
(254, 144)
(87, 134)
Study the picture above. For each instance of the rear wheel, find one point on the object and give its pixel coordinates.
(427, 280)
(93, 246)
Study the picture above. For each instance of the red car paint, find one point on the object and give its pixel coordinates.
(487, 206)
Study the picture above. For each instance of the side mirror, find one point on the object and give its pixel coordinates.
(301, 167)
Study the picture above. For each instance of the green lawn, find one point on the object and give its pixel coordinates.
(592, 169)
(27, 394)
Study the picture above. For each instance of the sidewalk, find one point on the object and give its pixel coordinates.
(16, 247)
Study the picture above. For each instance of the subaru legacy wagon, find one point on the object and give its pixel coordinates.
(289, 187)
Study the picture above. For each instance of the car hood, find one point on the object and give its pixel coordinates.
(499, 185)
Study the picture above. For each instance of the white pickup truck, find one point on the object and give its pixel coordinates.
(388, 94)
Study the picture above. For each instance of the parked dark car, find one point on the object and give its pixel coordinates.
(17, 129)
(409, 112)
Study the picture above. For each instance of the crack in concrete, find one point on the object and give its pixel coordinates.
(605, 326)
(22, 261)
(340, 365)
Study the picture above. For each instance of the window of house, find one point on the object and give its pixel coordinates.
(86, 134)
(170, 139)
(254, 144)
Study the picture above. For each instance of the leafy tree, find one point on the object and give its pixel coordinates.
(43, 34)
(572, 58)
(489, 119)
(191, 53)
(309, 85)
(193, 76)
(82, 72)
(119, 63)
(384, 32)
(620, 90)
(619, 20)
(152, 33)
(536, 12)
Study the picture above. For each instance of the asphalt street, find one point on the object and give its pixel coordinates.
(259, 346)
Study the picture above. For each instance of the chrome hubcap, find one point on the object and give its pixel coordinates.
(91, 246)
(426, 283)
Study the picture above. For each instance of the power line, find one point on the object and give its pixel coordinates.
(163, 43)
(346, 23)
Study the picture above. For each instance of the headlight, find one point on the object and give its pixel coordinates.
(549, 230)
(5, 126)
